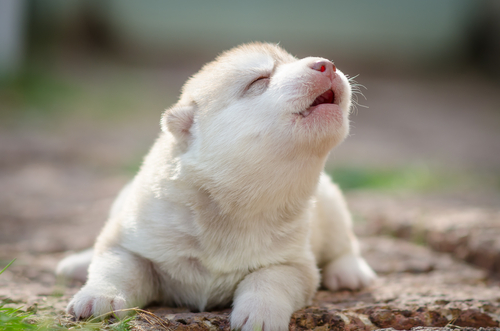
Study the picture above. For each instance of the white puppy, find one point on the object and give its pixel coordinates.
(231, 204)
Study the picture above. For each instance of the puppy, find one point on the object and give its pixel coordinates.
(231, 204)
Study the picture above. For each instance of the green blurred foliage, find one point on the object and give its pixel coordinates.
(45, 94)
(411, 178)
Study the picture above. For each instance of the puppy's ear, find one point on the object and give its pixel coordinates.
(178, 120)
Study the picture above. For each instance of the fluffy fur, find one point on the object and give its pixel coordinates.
(231, 203)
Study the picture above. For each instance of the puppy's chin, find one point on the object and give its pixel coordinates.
(325, 127)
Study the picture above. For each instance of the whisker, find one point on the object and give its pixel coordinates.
(356, 89)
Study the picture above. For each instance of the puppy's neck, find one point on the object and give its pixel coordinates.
(272, 189)
(277, 191)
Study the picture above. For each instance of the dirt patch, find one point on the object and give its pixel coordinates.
(416, 287)
(436, 292)
(468, 232)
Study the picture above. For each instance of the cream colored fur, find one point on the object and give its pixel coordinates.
(231, 204)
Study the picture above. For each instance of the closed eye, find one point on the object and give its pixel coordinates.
(258, 85)
(261, 78)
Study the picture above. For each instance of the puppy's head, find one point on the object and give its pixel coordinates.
(257, 99)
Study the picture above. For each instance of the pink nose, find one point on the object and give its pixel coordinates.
(324, 66)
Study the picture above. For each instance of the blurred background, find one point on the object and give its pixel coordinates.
(83, 84)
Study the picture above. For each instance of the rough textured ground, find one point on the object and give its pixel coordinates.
(468, 232)
(416, 288)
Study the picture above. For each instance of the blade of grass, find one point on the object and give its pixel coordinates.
(8, 265)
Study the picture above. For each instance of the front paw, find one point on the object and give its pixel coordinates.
(98, 303)
(349, 272)
(254, 313)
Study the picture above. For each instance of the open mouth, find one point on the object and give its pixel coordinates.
(328, 97)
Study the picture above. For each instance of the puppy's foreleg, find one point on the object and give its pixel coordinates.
(344, 267)
(117, 280)
(348, 271)
(266, 298)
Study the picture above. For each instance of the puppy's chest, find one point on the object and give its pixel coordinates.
(238, 253)
(229, 249)
(232, 248)
(186, 242)
(212, 269)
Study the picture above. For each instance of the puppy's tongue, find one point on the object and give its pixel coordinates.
(326, 97)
